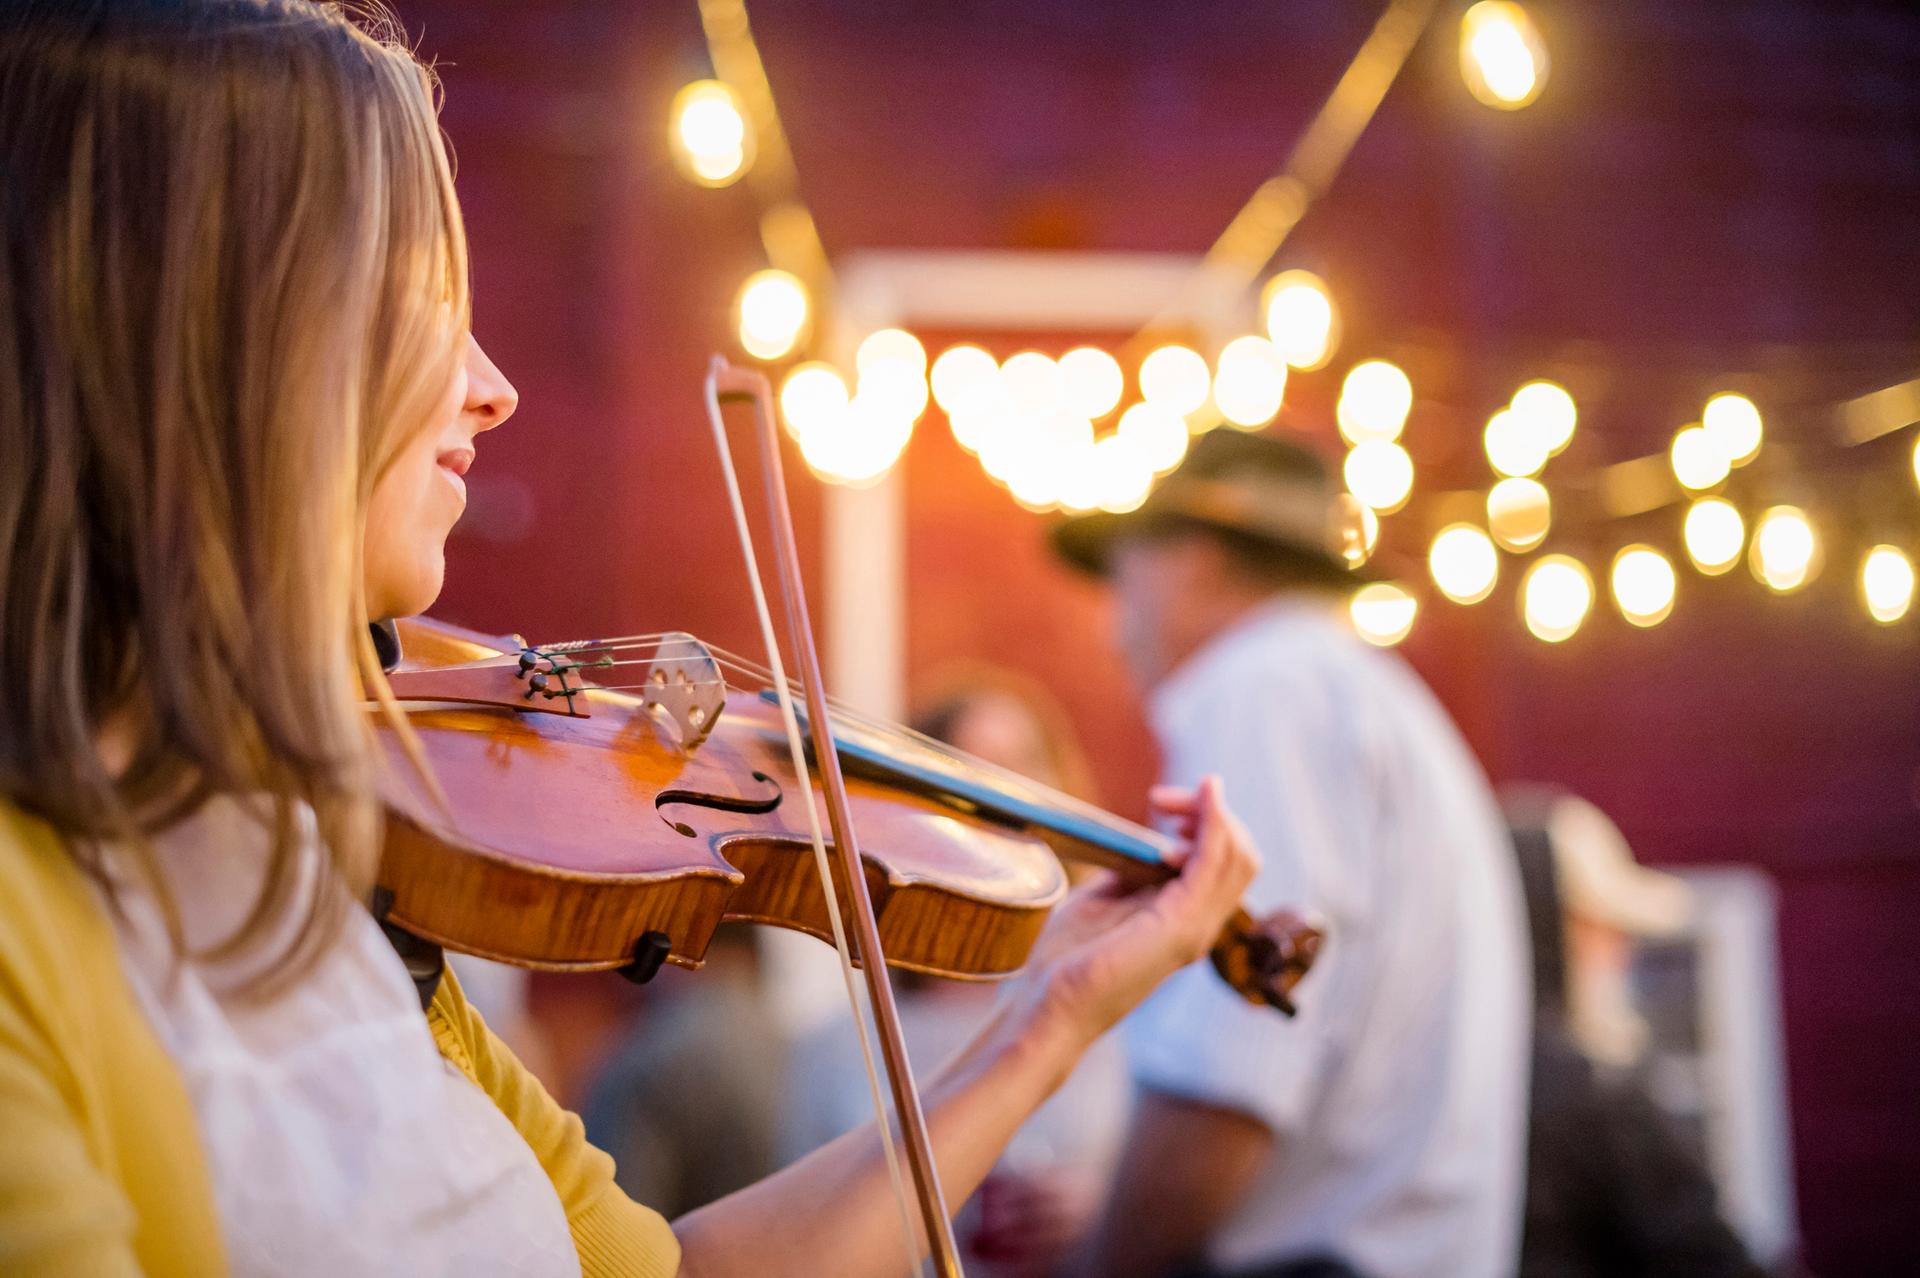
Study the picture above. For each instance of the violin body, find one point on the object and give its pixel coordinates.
(569, 838)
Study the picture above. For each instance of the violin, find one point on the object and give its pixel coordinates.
(610, 803)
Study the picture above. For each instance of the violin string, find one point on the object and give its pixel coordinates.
(910, 1235)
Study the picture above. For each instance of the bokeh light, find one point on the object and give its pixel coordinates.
(1715, 535)
(1785, 554)
(1250, 382)
(964, 377)
(1734, 424)
(1519, 514)
(1549, 413)
(1643, 585)
(1175, 377)
(813, 397)
(1091, 382)
(860, 445)
(1374, 402)
(1555, 597)
(1886, 583)
(711, 142)
(1034, 383)
(1698, 460)
(890, 346)
(1159, 434)
(1122, 473)
(1380, 474)
(1516, 446)
(1464, 563)
(1383, 613)
(1301, 320)
(772, 313)
(1502, 57)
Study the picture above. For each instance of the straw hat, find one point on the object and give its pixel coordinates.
(1598, 878)
(1265, 489)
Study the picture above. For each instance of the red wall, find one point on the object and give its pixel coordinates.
(1695, 197)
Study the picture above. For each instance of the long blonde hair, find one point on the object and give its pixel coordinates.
(232, 283)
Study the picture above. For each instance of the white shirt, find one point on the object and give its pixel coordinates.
(337, 1139)
(1398, 1095)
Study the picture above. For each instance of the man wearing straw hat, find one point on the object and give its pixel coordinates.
(1381, 1132)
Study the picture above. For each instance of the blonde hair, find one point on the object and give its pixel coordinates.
(232, 283)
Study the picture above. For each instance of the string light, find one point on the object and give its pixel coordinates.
(1502, 57)
(1380, 474)
(1785, 552)
(1886, 583)
(1549, 413)
(893, 346)
(1034, 383)
(1369, 532)
(1160, 436)
(772, 312)
(1697, 458)
(896, 388)
(1249, 382)
(1464, 563)
(813, 397)
(1715, 535)
(1374, 402)
(1383, 613)
(1122, 474)
(860, 445)
(1516, 446)
(711, 143)
(1556, 595)
(1301, 321)
(1733, 422)
(1091, 382)
(964, 377)
(1643, 585)
(1519, 514)
(1176, 378)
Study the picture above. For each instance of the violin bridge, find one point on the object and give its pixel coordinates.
(684, 682)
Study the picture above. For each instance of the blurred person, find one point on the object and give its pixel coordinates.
(1042, 1196)
(1612, 1189)
(1381, 1132)
(239, 389)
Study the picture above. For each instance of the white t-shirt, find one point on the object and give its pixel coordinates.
(337, 1138)
(1399, 1093)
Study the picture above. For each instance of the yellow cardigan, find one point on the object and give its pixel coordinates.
(100, 1164)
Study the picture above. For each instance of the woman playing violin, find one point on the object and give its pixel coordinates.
(237, 394)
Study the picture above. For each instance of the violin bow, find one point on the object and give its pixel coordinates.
(727, 384)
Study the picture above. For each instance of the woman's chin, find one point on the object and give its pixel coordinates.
(412, 594)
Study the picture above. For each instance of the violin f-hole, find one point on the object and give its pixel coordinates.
(747, 804)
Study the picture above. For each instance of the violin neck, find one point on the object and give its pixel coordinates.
(1087, 833)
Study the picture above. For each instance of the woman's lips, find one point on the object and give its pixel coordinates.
(453, 464)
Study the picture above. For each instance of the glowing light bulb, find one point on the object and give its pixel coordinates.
(772, 312)
(1697, 458)
(1122, 474)
(711, 142)
(1515, 446)
(1091, 382)
(813, 397)
(860, 446)
(1715, 535)
(1383, 613)
(1886, 583)
(1380, 474)
(1464, 563)
(1301, 321)
(1643, 585)
(1175, 377)
(1160, 435)
(1785, 553)
(1549, 412)
(1555, 597)
(1374, 402)
(893, 346)
(1519, 514)
(1034, 383)
(897, 386)
(1502, 57)
(1250, 382)
(962, 376)
(1734, 425)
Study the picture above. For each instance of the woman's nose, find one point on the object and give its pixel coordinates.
(491, 398)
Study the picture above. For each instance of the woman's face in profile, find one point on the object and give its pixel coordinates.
(422, 494)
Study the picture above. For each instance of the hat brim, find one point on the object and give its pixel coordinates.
(1087, 542)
